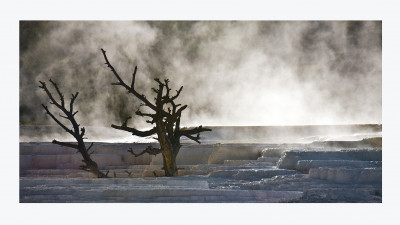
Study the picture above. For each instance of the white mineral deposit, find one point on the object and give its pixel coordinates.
(211, 172)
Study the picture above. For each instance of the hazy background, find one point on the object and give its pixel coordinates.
(233, 73)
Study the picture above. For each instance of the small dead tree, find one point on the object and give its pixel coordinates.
(165, 118)
(90, 165)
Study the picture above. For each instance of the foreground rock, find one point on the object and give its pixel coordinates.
(208, 173)
(348, 175)
(319, 191)
(291, 158)
(183, 189)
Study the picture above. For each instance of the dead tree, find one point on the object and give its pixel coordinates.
(165, 118)
(90, 165)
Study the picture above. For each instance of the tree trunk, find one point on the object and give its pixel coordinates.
(167, 153)
(94, 169)
(91, 166)
(169, 164)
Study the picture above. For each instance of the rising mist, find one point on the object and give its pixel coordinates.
(233, 73)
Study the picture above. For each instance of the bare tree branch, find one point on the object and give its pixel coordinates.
(122, 83)
(192, 131)
(133, 78)
(166, 81)
(150, 150)
(196, 139)
(82, 132)
(71, 104)
(91, 145)
(134, 131)
(139, 113)
(129, 173)
(178, 113)
(57, 121)
(65, 117)
(52, 100)
(59, 92)
(178, 92)
(65, 144)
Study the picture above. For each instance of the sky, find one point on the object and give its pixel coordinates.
(233, 73)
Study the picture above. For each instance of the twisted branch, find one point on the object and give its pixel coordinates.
(150, 150)
(122, 83)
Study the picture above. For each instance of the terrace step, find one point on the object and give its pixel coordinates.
(141, 190)
(306, 165)
(250, 174)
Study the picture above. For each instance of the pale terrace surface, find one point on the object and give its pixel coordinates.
(321, 171)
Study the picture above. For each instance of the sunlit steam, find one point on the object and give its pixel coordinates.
(233, 73)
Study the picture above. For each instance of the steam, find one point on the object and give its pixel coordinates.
(233, 73)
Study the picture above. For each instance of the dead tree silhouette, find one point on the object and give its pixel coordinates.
(78, 134)
(166, 118)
